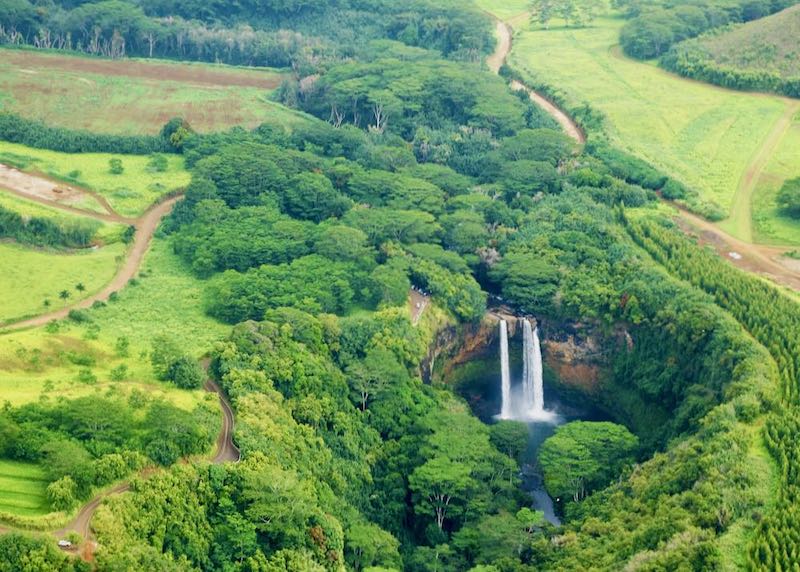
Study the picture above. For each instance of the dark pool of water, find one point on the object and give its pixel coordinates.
(483, 393)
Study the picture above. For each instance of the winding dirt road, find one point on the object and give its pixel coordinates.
(496, 61)
(766, 261)
(226, 452)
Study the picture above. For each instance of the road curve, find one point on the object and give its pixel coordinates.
(496, 61)
(763, 260)
(145, 228)
(226, 452)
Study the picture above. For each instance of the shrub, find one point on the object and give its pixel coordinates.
(186, 373)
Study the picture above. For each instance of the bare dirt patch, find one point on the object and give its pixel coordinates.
(185, 73)
(46, 191)
(38, 187)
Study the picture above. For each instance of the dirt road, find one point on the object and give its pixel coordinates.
(767, 261)
(42, 189)
(145, 227)
(496, 61)
(742, 212)
(226, 452)
(417, 302)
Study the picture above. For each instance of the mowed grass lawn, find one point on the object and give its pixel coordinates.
(129, 193)
(137, 96)
(770, 226)
(702, 135)
(30, 276)
(23, 489)
(504, 9)
(164, 300)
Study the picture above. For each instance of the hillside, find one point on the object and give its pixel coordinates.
(442, 324)
(766, 44)
(762, 55)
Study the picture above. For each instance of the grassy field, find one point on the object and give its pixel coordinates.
(129, 193)
(505, 10)
(107, 233)
(22, 489)
(769, 225)
(77, 359)
(28, 277)
(707, 137)
(766, 44)
(136, 96)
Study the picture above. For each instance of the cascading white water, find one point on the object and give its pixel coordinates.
(505, 373)
(532, 386)
(527, 370)
(530, 405)
(538, 386)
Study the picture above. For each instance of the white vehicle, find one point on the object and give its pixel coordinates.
(64, 544)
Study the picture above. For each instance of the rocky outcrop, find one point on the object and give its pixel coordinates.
(576, 353)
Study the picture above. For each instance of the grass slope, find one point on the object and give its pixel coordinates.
(129, 194)
(766, 44)
(46, 362)
(770, 226)
(23, 489)
(136, 96)
(29, 276)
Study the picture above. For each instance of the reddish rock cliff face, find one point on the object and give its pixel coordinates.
(576, 352)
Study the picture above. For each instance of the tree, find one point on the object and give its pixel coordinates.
(69, 459)
(158, 164)
(440, 486)
(530, 519)
(584, 456)
(340, 242)
(186, 373)
(510, 437)
(24, 553)
(64, 294)
(80, 287)
(368, 546)
(164, 352)
(789, 197)
(542, 11)
(311, 196)
(372, 375)
(62, 494)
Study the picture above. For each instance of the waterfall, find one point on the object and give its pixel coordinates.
(532, 386)
(505, 411)
(526, 402)
(538, 386)
(527, 369)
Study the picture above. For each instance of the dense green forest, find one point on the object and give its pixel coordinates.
(426, 171)
(301, 35)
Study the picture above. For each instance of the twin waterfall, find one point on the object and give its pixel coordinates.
(531, 406)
